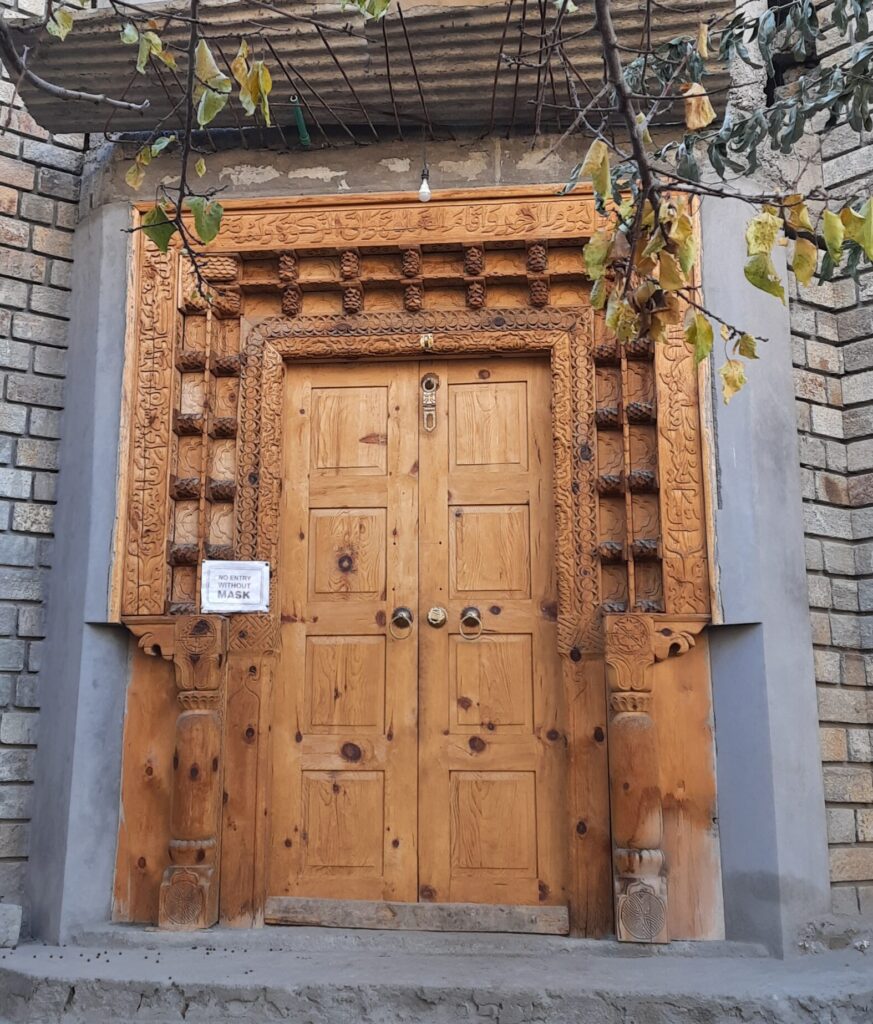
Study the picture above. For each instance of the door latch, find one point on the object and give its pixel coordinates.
(429, 385)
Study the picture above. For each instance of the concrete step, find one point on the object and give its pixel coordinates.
(378, 978)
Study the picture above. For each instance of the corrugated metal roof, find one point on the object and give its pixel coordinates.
(455, 48)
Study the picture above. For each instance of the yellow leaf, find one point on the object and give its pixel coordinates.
(859, 226)
(643, 126)
(698, 110)
(834, 234)
(599, 293)
(200, 167)
(703, 40)
(207, 73)
(265, 85)
(135, 175)
(596, 253)
(805, 260)
(622, 318)
(59, 24)
(761, 233)
(725, 332)
(596, 167)
(796, 213)
(733, 377)
(698, 334)
(239, 65)
(670, 276)
(760, 272)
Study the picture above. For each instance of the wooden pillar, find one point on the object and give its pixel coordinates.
(634, 643)
(189, 889)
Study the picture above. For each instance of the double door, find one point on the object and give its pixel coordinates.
(419, 737)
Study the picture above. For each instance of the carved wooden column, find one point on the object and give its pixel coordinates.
(634, 643)
(189, 890)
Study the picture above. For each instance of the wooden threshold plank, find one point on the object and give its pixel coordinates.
(423, 917)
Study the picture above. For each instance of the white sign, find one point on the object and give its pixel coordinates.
(235, 587)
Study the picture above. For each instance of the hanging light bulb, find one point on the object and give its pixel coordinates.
(424, 189)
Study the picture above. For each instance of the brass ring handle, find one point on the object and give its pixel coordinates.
(471, 619)
(401, 619)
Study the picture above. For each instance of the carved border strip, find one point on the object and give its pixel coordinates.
(144, 581)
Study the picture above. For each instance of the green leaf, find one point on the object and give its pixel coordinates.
(599, 293)
(698, 334)
(747, 346)
(59, 24)
(149, 43)
(834, 235)
(733, 378)
(805, 260)
(207, 74)
(129, 33)
(158, 227)
(760, 272)
(161, 144)
(210, 106)
(135, 174)
(207, 217)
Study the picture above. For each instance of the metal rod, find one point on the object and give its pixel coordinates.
(388, 72)
(342, 71)
(296, 89)
(499, 64)
(415, 71)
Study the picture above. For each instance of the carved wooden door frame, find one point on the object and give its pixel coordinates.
(224, 690)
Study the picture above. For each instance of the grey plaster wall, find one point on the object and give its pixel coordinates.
(771, 801)
(85, 668)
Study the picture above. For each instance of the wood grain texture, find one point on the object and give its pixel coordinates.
(422, 917)
(146, 788)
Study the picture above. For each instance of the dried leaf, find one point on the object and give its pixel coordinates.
(733, 378)
(699, 111)
(747, 346)
(703, 40)
(796, 213)
(596, 253)
(670, 275)
(761, 233)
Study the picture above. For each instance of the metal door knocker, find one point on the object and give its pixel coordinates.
(401, 623)
(437, 616)
(429, 384)
(471, 623)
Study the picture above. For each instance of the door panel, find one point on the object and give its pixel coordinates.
(492, 739)
(423, 765)
(344, 779)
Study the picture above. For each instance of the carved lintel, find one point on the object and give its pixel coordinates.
(634, 643)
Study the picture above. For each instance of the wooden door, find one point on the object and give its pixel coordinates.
(492, 739)
(344, 735)
(414, 763)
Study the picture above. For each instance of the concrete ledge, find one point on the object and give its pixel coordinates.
(100, 985)
(386, 942)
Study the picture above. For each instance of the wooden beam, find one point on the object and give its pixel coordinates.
(422, 917)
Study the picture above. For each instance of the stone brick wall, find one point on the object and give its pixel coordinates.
(39, 187)
(832, 327)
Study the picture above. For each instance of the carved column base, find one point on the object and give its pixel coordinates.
(188, 899)
(640, 896)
